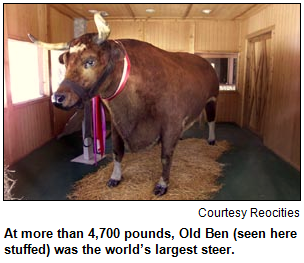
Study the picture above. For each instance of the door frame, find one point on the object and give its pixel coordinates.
(250, 39)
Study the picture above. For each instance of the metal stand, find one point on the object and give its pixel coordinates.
(88, 153)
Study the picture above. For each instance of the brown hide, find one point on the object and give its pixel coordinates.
(164, 91)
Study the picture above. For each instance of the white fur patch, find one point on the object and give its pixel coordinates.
(78, 48)
(162, 182)
(211, 131)
(116, 174)
(211, 99)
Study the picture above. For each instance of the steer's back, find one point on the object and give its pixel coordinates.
(167, 69)
(171, 80)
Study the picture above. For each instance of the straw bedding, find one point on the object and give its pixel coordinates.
(8, 184)
(194, 175)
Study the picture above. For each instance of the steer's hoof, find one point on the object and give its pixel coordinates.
(211, 142)
(160, 190)
(113, 183)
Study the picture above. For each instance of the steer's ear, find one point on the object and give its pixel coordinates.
(63, 58)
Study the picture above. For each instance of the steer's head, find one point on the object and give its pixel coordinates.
(86, 59)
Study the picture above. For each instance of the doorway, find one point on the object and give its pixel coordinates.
(258, 81)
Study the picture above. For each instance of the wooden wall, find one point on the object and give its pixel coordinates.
(66, 33)
(228, 106)
(215, 36)
(26, 18)
(189, 36)
(179, 35)
(28, 126)
(282, 129)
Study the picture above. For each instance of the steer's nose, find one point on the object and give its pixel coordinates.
(58, 98)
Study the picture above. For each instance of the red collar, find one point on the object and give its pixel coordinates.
(125, 75)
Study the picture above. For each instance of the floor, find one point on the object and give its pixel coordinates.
(252, 172)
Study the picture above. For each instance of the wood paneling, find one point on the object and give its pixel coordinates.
(60, 21)
(217, 36)
(227, 106)
(66, 10)
(66, 33)
(7, 139)
(27, 126)
(179, 35)
(121, 29)
(162, 11)
(26, 18)
(282, 129)
(30, 127)
(224, 11)
(169, 35)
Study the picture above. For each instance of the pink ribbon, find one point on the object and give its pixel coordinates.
(94, 117)
(102, 141)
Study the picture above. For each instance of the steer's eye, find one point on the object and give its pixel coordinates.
(89, 63)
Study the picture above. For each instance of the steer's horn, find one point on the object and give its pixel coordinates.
(102, 27)
(49, 46)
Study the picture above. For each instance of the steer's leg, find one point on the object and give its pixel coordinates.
(168, 143)
(211, 112)
(118, 153)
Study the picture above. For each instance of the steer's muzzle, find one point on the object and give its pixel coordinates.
(58, 100)
(66, 100)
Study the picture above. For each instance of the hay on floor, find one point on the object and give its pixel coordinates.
(194, 175)
(9, 184)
